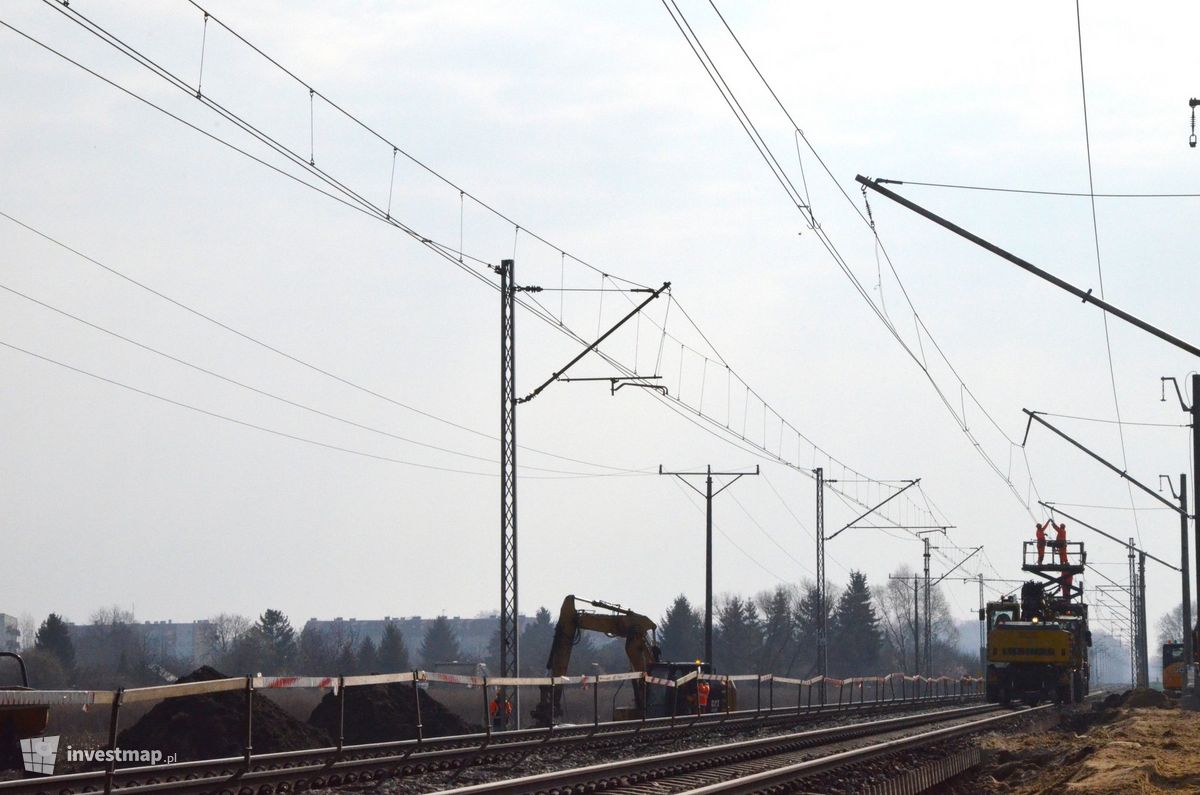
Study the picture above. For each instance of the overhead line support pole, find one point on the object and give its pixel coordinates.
(509, 629)
(708, 495)
(1085, 296)
(822, 596)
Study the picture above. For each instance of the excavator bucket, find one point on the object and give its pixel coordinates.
(18, 722)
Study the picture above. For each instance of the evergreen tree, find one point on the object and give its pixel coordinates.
(807, 620)
(279, 640)
(439, 644)
(54, 637)
(317, 655)
(393, 654)
(368, 657)
(855, 637)
(737, 639)
(778, 632)
(681, 632)
(346, 662)
(536, 639)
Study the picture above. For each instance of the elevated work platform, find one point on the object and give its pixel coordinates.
(1055, 560)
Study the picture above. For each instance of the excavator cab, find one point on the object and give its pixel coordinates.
(697, 696)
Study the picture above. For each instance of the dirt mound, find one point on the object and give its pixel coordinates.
(379, 713)
(214, 726)
(1143, 697)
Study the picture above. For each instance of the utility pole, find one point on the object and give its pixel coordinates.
(1194, 413)
(822, 596)
(982, 620)
(1135, 658)
(928, 629)
(1143, 645)
(708, 495)
(509, 629)
(822, 604)
(1185, 557)
(916, 626)
(509, 615)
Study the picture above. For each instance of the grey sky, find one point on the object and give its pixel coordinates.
(594, 126)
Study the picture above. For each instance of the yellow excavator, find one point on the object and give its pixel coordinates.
(643, 653)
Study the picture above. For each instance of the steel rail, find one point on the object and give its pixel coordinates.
(611, 776)
(415, 757)
(770, 780)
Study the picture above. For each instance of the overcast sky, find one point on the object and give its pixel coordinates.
(593, 126)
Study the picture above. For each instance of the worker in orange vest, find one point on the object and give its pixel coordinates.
(1060, 541)
(702, 691)
(1041, 541)
(500, 709)
(1067, 579)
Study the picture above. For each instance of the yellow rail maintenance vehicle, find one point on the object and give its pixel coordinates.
(1037, 649)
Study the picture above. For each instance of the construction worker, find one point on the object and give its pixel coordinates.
(499, 709)
(702, 690)
(1041, 541)
(1060, 541)
(1066, 585)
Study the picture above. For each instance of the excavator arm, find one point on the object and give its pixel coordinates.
(617, 621)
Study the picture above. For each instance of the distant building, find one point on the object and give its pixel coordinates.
(474, 634)
(10, 633)
(185, 644)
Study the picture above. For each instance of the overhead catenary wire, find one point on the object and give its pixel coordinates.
(277, 351)
(1032, 192)
(271, 395)
(793, 195)
(272, 431)
(1112, 373)
(359, 202)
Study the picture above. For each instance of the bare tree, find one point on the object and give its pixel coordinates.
(223, 630)
(1170, 625)
(29, 627)
(895, 602)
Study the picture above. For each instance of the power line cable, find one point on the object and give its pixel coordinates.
(277, 351)
(1073, 194)
(271, 395)
(446, 252)
(1112, 373)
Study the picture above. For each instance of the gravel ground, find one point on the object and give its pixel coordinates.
(560, 759)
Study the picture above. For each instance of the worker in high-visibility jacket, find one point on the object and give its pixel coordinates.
(500, 710)
(1041, 541)
(1060, 541)
(703, 688)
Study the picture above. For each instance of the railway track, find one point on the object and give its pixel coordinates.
(776, 764)
(296, 771)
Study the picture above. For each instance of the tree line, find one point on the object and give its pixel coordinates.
(774, 631)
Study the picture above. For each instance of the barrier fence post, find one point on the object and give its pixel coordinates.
(596, 703)
(645, 692)
(824, 687)
(727, 694)
(341, 699)
(417, 700)
(675, 702)
(487, 711)
(771, 694)
(758, 695)
(249, 720)
(552, 702)
(113, 722)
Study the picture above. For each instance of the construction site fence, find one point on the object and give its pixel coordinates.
(818, 692)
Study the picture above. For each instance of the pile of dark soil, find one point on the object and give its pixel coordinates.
(214, 726)
(1144, 697)
(379, 713)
